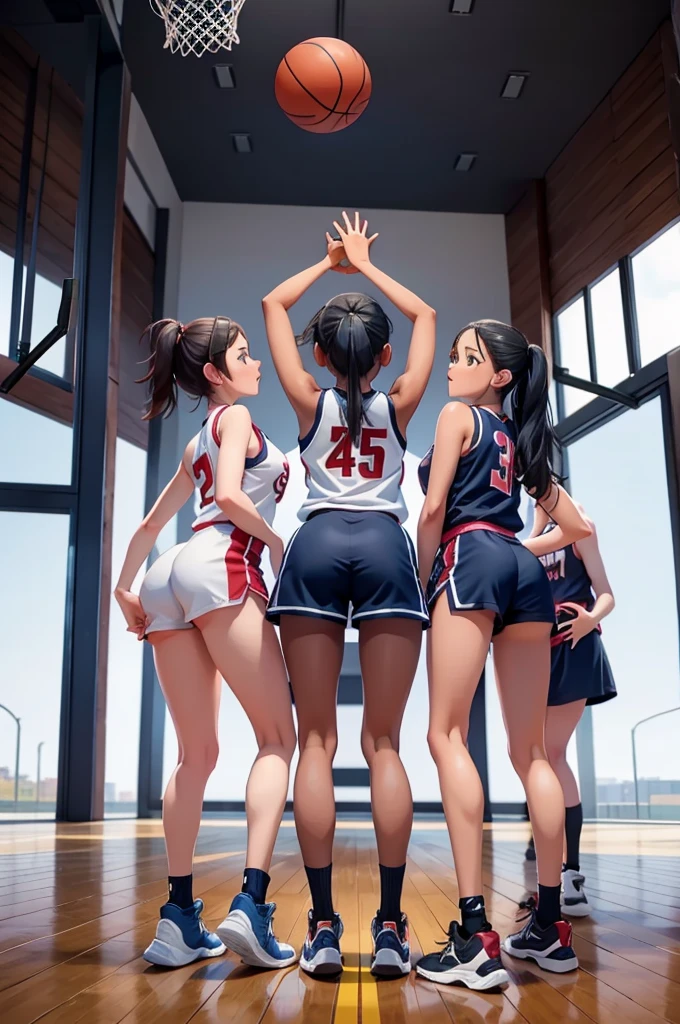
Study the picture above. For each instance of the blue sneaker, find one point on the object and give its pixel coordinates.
(321, 951)
(391, 948)
(182, 937)
(247, 930)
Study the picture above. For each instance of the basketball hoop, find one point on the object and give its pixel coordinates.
(199, 26)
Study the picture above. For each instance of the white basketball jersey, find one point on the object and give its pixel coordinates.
(341, 475)
(264, 478)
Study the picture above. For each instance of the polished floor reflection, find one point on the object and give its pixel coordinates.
(79, 903)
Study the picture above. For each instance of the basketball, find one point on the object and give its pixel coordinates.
(323, 85)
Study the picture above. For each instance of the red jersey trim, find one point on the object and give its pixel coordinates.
(215, 424)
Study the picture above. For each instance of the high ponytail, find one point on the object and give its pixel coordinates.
(178, 354)
(529, 403)
(351, 330)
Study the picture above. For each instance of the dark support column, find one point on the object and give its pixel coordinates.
(97, 256)
(477, 741)
(152, 723)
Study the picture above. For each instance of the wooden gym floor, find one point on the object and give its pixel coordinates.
(79, 903)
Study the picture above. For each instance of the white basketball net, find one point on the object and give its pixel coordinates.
(199, 26)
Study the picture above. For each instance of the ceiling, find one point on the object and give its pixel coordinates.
(437, 79)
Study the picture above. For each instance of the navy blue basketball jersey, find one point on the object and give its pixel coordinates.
(569, 580)
(484, 488)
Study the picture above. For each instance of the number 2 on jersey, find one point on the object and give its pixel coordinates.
(342, 458)
(502, 478)
(202, 468)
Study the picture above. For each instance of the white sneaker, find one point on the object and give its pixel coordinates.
(574, 902)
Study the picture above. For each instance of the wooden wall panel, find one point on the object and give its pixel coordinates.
(136, 313)
(614, 185)
(526, 243)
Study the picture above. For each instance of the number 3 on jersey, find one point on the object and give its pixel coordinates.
(342, 458)
(502, 478)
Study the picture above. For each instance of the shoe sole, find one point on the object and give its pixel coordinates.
(172, 951)
(576, 910)
(326, 962)
(469, 978)
(388, 964)
(544, 962)
(236, 932)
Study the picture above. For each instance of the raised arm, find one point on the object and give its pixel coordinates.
(235, 428)
(454, 431)
(173, 497)
(408, 389)
(571, 525)
(541, 520)
(300, 387)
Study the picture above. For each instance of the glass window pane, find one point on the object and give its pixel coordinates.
(611, 355)
(45, 308)
(124, 680)
(656, 276)
(6, 279)
(30, 680)
(632, 516)
(573, 350)
(36, 449)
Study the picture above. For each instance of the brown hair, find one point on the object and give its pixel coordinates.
(178, 354)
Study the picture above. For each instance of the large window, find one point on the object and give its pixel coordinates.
(32, 603)
(656, 275)
(609, 330)
(573, 352)
(35, 449)
(618, 473)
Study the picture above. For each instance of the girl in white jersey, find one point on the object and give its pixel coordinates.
(351, 551)
(202, 608)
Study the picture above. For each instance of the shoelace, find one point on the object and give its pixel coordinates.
(530, 904)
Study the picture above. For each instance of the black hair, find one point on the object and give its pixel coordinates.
(351, 330)
(178, 354)
(509, 349)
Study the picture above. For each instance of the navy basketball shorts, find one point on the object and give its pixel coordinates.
(482, 569)
(338, 559)
(582, 672)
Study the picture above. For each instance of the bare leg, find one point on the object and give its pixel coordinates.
(457, 648)
(522, 661)
(313, 649)
(245, 649)
(191, 687)
(389, 651)
(560, 724)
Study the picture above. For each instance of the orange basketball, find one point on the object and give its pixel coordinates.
(323, 85)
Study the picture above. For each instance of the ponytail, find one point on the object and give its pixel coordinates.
(536, 439)
(162, 337)
(351, 330)
(178, 355)
(529, 404)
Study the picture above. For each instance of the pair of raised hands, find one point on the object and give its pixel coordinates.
(350, 250)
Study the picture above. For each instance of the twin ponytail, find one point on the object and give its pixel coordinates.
(178, 354)
(528, 393)
(351, 330)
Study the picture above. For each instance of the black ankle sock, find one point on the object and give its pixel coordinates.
(548, 905)
(255, 883)
(573, 822)
(391, 884)
(180, 890)
(319, 880)
(472, 916)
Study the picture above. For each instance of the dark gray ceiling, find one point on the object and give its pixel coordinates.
(436, 84)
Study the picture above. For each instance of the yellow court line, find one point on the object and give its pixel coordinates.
(370, 1009)
(347, 1002)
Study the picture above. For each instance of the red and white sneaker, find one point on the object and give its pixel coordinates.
(549, 947)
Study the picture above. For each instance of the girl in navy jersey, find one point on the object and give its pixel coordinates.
(483, 584)
(351, 551)
(202, 607)
(580, 674)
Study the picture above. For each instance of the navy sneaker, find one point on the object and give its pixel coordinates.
(247, 930)
(549, 947)
(391, 948)
(321, 951)
(476, 962)
(530, 853)
(182, 937)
